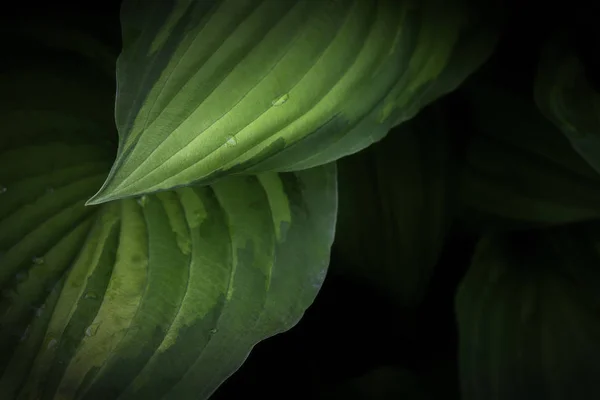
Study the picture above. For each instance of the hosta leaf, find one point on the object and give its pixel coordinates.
(170, 292)
(394, 207)
(163, 296)
(528, 317)
(43, 224)
(566, 97)
(213, 88)
(520, 171)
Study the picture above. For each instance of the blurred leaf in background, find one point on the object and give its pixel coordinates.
(528, 316)
(567, 97)
(396, 203)
(519, 170)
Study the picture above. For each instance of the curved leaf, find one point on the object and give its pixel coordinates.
(213, 88)
(162, 296)
(43, 224)
(527, 316)
(566, 97)
(394, 207)
(520, 172)
(170, 292)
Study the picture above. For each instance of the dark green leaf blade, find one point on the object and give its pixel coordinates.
(567, 98)
(527, 316)
(396, 204)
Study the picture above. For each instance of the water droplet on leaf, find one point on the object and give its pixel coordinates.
(142, 200)
(52, 343)
(25, 333)
(37, 260)
(280, 100)
(40, 310)
(231, 141)
(91, 295)
(3, 189)
(213, 331)
(92, 329)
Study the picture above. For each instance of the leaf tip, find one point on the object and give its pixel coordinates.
(99, 198)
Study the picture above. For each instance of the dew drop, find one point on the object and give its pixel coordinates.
(50, 190)
(280, 100)
(52, 343)
(92, 329)
(37, 260)
(3, 189)
(231, 141)
(142, 200)
(90, 295)
(40, 310)
(213, 331)
(25, 333)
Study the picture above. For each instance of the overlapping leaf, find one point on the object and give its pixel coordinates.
(566, 97)
(170, 292)
(395, 203)
(43, 224)
(162, 297)
(528, 317)
(520, 171)
(212, 88)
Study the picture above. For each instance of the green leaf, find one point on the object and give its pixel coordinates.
(520, 171)
(527, 316)
(171, 291)
(566, 97)
(43, 224)
(164, 295)
(395, 208)
(214, 88)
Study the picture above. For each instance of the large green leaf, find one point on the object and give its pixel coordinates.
(394, 207)
(566, 97)
(43, 224)
(211, 88)
(528, 317)
(170, 292)
(162, 296)
(520, 171)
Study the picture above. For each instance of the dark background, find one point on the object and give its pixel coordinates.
(351, 329)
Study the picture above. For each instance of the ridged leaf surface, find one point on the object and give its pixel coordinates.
(213, 88)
